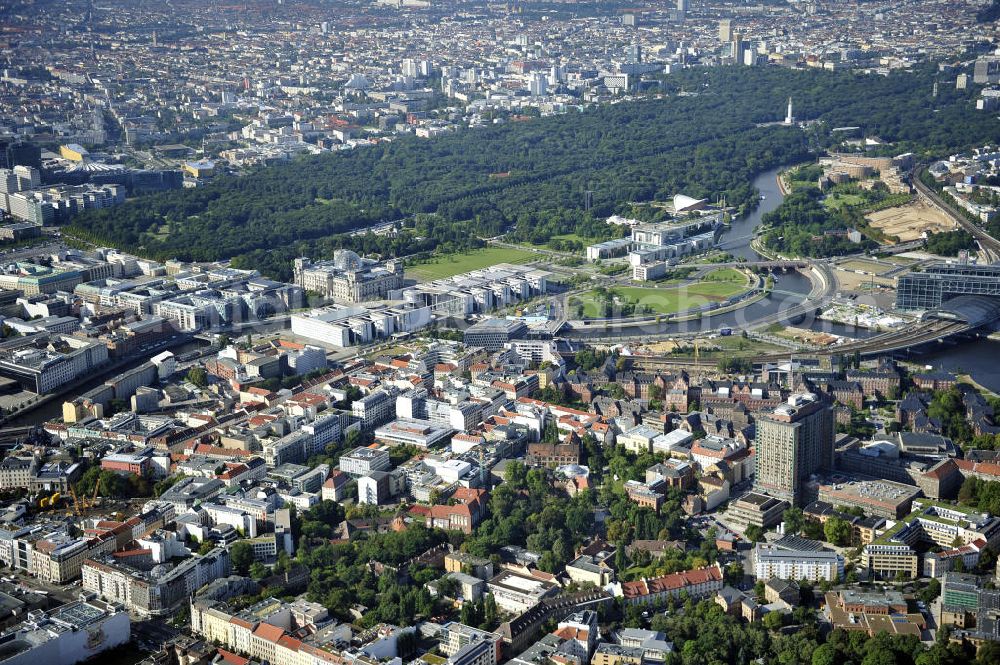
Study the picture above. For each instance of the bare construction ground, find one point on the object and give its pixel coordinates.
(852, 281)
(909, 221)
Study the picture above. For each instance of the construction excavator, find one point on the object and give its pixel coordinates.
(49, 502)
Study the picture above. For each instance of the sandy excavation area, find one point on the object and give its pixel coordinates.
(909, 221)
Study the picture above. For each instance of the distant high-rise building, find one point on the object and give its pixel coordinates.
(793, 442)
(19, 154)
(986, 70)
(634, 54)
(725, 31)
(683, 5)
(736, 48)
(409, 67)
(629, 19)
(537, 86)
(789, 117)
(556, 75)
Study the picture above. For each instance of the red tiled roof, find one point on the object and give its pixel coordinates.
(232, 658)
(982, 468)
(671, 582)
(267, 632)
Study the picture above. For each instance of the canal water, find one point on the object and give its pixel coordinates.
(741, 231)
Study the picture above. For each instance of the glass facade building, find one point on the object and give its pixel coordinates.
(937, 283)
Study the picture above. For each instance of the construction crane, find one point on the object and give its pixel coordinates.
(77, 510)
(87, 502)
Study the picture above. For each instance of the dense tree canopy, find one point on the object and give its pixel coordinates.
(448, 192)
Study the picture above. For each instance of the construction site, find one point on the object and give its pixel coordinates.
(909, 222)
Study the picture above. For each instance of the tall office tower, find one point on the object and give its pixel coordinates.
(792, 442)
(19, 153)
(28, 177)
(736, 48)
(9, 183)
(537, 85)
(556, 75)
(634, 54)
(683, 5)
(725, 30)
(409, 68)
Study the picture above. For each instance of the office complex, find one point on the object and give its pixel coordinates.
(69, 634)
(41, 363)
(793, 441)
(493, 334)
(930, 523)
(940, 282)
(362, 461)
(479, 290)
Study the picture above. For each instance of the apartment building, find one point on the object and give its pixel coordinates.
(771, 562)
(465, 645)
(146, 589)
(696, 583)
(362, 461)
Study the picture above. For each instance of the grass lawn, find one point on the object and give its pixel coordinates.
(453, 264)
(573, 236)
(667, 300)
(563, 236)
(838, 200)
(726, 275)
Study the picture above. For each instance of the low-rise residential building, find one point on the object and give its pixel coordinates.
(697, 583)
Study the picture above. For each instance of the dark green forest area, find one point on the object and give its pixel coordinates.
(447, 193)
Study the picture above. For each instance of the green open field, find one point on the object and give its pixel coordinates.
(725, 275)
(714, 287)
(453, 264)
(564, 237)
(573, 236)
(838, 200)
